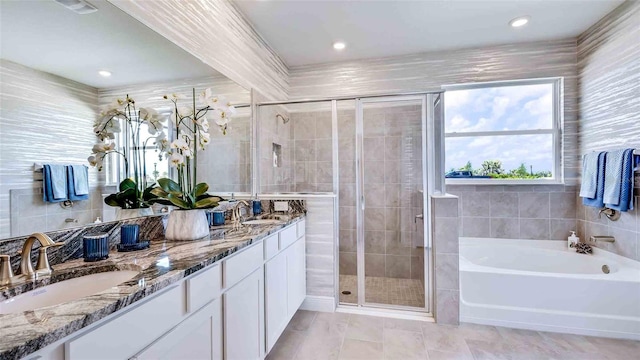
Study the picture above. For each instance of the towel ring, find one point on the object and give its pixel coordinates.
(67, 204)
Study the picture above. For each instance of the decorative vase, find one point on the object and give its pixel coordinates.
(187, 225)
(123, 214)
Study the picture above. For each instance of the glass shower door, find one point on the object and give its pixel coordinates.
(391, 181)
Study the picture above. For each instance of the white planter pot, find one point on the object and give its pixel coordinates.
(122, 214)
(187, 225)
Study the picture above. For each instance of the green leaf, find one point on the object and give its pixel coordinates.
(112, 200)
(177, 201)
(207, 203)
(159, 192)
(207, 196)
(127, 184)
(200, 189)
(170, 186)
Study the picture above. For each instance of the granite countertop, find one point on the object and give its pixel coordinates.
(163, 263)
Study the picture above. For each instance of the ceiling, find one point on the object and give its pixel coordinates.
(302, 32)
(44, 35)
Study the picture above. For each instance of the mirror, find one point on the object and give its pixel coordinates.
(51, 94)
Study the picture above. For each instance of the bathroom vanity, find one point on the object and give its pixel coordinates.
(228, 297)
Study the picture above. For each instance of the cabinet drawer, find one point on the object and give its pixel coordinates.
(270, 246)
(288, 236)
(203, 287)
(301, 228)
(124, 336)
(242, 264)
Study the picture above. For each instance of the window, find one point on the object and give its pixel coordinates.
(154, 165)
(503, 132)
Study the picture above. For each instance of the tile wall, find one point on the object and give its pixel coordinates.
(273, 130)
(312, 154)
(392, 177)
(536, 212)
(446, 248)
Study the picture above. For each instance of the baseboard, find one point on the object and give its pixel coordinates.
(319, 303)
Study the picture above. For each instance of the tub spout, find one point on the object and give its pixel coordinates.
(608, 239)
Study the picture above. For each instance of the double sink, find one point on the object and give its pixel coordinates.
(91, 284)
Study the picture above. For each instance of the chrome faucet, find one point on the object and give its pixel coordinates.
(26, 267)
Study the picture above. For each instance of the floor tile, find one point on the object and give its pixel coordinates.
(402, 344)
(329, 336)
(367, 328)
(443, 355)
(301, 320)
(485, 350)
(359, 349)
(287, 345)
(443, 338)
(401, 324)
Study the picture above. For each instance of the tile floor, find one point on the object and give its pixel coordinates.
(384, 290)
(313, 335)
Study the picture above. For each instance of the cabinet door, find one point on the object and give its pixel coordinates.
(275, 288)
(244, 318)
(198, 337)
(296, 276)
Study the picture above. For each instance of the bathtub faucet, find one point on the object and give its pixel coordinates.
(596, 238)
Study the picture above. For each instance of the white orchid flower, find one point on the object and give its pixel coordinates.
(203, 123)
(175, 96)
(179, 144)
(176, 159)
(205, 139)
(204, 96)
(148, 114)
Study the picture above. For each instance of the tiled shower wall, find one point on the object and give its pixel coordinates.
(392, 178)
(272, 130)
(609, 112)
(313, 162)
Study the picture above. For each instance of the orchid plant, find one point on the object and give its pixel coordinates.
(192, 128)
(134, 191)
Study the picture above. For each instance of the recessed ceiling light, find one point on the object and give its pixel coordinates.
(519, 21)
(104, 73)
(339, 45)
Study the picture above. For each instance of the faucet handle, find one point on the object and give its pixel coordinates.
(42, 266)
(6, 273)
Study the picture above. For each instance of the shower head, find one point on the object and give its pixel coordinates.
(284, 119)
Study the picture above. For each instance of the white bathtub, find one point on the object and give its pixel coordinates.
(541, 285)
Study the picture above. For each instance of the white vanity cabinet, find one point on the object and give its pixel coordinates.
(285, 282)
(199, 337)
(235, 309)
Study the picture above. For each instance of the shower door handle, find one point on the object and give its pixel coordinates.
(419, 216)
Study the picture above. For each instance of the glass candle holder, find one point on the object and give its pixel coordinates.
(218, 217)
(95, 246)
(129, 234)
(257, 207)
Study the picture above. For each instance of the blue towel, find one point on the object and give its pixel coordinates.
(589, 184)
(51, 183)
(613, 176)
(78, 182)
(625, 182)
(597, 200)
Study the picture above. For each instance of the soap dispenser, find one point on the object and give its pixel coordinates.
(573, 240)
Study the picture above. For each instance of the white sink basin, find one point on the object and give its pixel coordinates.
(65, 291)
(262, 222)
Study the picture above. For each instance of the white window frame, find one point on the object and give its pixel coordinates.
(556, 131)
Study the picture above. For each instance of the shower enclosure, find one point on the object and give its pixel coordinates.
(371, 152)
